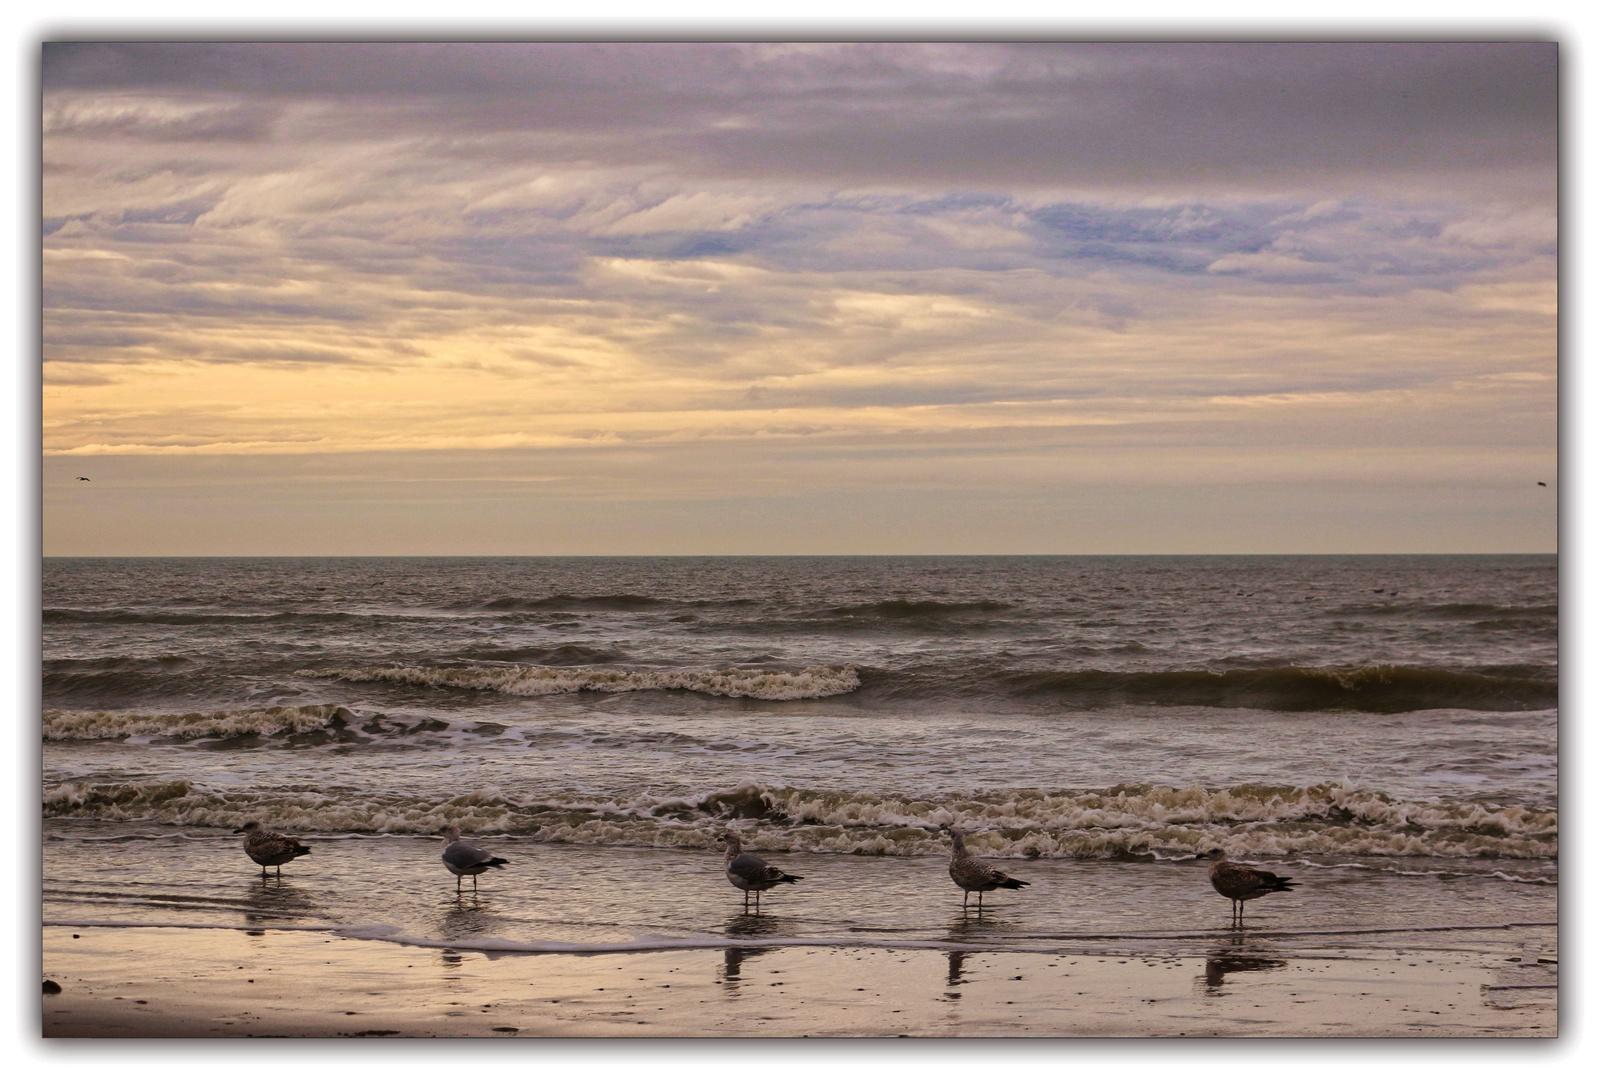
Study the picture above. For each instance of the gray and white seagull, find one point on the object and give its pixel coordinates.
(975, 875)
(751, 873)
(463, 859)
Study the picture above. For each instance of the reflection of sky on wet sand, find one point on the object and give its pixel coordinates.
(310, 979)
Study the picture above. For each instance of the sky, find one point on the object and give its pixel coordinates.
(828, 298)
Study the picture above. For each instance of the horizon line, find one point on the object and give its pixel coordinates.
(896, 555)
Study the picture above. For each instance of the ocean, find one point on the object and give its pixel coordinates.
(1383, 729)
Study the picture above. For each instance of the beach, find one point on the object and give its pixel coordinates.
(1119, 949)
(171, 983)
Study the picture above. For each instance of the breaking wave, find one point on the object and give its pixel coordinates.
(812, 682)
(1126, 821)
(61, 725)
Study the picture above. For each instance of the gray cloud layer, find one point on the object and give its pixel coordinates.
(1041, 114)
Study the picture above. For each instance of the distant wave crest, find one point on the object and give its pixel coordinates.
(568, 602)
(812, 682)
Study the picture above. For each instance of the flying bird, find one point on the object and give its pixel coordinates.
(86, 480)
(1241, 883)
(461, 858)
(975, 875)
(270, 848)
(751, 873)
(1541, 483)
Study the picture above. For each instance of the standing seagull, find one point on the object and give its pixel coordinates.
(270, 848)
(751, 873)
(1241, 883)
(975, 875)
(461, 858)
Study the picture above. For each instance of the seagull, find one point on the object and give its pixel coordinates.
(1541, 483)
(1241, 883)
(461, 858)
(751, 873)
(86, 480)
(975, 875)
(270, 848)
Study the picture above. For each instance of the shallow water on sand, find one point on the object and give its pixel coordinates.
(561, 897)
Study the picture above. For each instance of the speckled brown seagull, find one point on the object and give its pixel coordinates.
(975, 875)
(751, 873)
(270, 848)
(1241, 883)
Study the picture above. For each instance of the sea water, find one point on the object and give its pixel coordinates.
(1381, 728)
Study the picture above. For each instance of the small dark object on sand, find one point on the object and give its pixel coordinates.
(52, 987)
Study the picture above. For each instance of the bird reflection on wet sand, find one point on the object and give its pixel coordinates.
(954, 977)
(732, 965)
(1224, 962)
(970, 926)
(272, 899)
(470, 918)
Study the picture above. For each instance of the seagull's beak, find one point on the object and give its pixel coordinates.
(238, 830)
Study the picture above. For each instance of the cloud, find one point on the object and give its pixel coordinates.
(971, 115)
(281, 249)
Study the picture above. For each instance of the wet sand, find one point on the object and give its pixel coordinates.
(174, 982)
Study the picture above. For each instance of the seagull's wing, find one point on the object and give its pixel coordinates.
(462, 854)
(1231, 877)
(749, 867)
